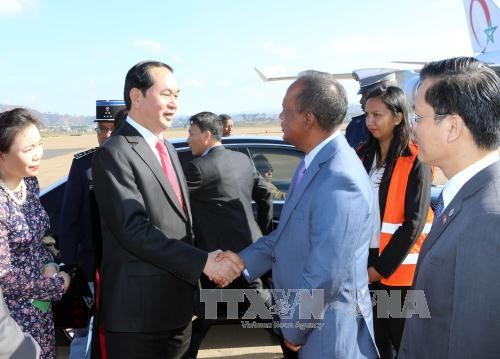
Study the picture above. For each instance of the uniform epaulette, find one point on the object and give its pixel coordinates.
(84, 153)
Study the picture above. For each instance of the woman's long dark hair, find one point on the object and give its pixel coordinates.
(395, 101)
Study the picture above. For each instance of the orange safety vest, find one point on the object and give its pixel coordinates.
(394, 216)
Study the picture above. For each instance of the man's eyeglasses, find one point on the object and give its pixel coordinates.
(101, 130)
(414, 118)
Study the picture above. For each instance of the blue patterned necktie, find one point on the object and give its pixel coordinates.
(438, 211)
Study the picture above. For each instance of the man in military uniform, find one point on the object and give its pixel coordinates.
(79, 230)
(356, 131)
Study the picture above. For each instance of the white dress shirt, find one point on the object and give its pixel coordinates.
(455, 183)
(310, 156)
(149, 136)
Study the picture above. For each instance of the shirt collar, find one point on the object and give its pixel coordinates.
(455, 183)
(310, 156)
(149, 136)
(209, 149)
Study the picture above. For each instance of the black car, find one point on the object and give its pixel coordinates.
(283, 158)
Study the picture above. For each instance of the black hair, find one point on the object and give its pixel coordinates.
(139, 77)
(224, 118)
(12, 123)
(324, 97)
(261, 163)
(395, 100)
(208, 121)
(467, 87)
(120, 117)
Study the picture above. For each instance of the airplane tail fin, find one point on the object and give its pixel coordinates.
(483, 19)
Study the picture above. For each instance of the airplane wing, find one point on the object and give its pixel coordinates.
(421, 63)
(340, 76)
(406, 79)
(278, 78)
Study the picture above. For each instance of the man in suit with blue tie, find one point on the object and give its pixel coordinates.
(325, 228)
(457, 125)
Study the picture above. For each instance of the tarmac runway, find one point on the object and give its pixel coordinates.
(53, 153)
(227, 341)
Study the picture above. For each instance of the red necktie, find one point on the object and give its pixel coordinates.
(168, 169)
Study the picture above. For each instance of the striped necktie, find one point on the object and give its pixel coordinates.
(438, 211)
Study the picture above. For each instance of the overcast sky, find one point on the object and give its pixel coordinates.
(61, 56)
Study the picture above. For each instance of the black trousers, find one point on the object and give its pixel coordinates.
(170, 344)
(201, 326)
(388, 330)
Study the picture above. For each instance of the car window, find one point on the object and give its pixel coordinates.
(277, 166)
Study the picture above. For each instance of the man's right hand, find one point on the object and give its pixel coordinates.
(233, 257)
(222, 271)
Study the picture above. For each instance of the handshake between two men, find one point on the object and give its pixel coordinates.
(223, 267)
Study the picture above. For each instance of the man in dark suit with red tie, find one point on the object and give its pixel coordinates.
(150, 268)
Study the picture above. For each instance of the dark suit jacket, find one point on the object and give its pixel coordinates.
(356, 131)
(458, 270)
(150, 267)
(221, 186)
(77, 237)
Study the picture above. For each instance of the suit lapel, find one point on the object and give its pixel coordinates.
(453, 209)
(291, 202)
(451, 212)
(141, 147)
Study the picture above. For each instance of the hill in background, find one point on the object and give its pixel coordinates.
(52, 121)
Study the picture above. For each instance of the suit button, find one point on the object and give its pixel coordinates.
(273, 258)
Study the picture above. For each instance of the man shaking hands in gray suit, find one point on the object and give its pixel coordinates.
(457, 125)
(318, 254)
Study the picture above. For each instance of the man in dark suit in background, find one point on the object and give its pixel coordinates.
(457, 126)
(222, 184)
(79, 221)
(150, 268)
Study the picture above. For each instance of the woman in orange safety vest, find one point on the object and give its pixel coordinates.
(402, 186)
